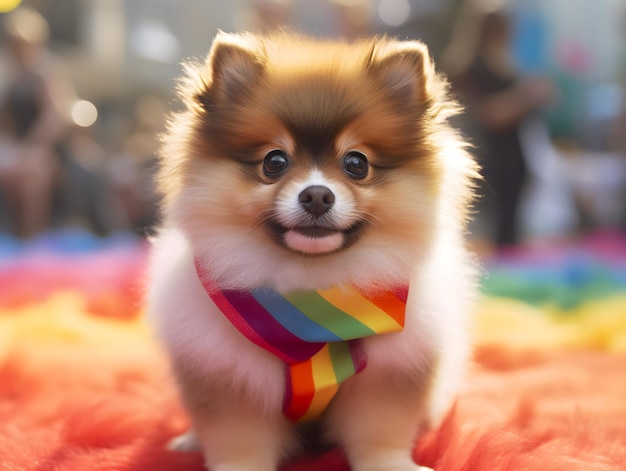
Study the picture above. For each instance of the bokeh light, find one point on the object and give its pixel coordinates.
(394, 12)
(8, 5)
(84, 113)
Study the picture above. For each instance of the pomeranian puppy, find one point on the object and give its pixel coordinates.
(309, 186)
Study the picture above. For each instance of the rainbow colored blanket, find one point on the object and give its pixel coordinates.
(83, 386)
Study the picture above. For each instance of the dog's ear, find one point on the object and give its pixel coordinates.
(403, 68)
(234, 65)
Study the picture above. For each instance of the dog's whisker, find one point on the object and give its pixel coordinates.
(369, 218)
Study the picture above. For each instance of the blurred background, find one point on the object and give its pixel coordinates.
(85, 86)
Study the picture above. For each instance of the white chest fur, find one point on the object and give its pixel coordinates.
(194, 331)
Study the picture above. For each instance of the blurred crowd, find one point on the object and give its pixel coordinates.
(58, 169)
(53, 173)
(542, 178)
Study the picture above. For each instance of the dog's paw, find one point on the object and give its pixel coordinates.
(184, 443)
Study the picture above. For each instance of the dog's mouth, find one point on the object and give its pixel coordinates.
(314, 232)
(314, 239)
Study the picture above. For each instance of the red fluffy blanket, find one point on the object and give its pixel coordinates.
(83, 386)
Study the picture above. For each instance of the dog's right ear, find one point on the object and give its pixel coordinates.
(235, 64)
(404, 68)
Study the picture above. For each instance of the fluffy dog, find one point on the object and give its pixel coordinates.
(301, 165)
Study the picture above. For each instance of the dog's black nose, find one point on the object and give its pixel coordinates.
(316, 199)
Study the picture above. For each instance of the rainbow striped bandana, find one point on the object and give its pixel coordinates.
(316, 333)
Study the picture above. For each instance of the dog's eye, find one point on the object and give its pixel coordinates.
(275, 163)
(355, 164)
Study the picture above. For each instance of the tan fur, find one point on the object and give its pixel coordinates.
(316, 101)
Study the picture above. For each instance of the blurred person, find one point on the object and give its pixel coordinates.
(499, 101)
(32, 124)
(87, 197)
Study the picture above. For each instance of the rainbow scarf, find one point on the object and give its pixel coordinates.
(316, 333)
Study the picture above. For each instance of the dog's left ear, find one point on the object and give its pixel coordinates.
(404, 69)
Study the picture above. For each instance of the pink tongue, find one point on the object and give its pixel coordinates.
(314, 245)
